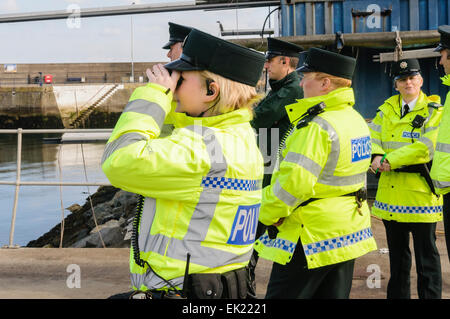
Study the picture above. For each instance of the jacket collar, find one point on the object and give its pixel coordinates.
(275, 85)
(395, 102)
(335, 100)
(446, 80)
(220, 121)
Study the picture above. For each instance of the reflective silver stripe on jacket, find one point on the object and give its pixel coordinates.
(394, 145)
(376, 141)
(148, 108)
(429, 144)
(397, 145)
(441, 185)
(122, 141)
(443, 147)
(304, 162)
(327, 176)
(198, 226)
(430, 128)
(284, 195)
(374, 127)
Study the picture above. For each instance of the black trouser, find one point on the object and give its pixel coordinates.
(260, 230)
(428, 262)
(295, 280)
(446, 213)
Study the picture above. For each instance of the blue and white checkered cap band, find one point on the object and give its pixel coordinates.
(407, 209)
(231, 183)
(279, 243)
(337, 242)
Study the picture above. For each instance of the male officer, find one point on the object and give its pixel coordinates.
(281, 61)
(177, 35)
(270, 115)
(316, 197)
(440, 171)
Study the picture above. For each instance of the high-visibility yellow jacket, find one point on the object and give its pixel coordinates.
(202, 187)
(326, 159)
(406, 197)
(440, 171)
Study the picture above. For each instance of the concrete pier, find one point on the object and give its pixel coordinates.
(50, 273)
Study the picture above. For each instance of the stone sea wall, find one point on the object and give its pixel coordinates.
(114, 210)
(34, 107)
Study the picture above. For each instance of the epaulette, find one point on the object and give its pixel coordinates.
(434, 105)
(312, 112)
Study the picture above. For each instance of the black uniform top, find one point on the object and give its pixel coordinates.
(270, 113)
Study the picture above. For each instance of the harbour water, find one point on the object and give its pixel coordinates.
(39, 207)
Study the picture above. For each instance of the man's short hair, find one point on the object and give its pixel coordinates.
(293, 62)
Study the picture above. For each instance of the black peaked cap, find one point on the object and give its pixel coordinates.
(319, 60)
(202, 51)
(277, 47)
(405, 68)
(177, 33)
(444, 43)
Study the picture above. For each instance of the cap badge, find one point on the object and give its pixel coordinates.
(403, 65)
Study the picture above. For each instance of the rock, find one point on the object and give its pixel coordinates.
(112, 237)
(114, 211)
(110, 224)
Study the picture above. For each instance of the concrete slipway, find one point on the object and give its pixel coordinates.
(49, 273)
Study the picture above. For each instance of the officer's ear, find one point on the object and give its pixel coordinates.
(421, 80)
(395, 85)
(326, 83)
(212, 90)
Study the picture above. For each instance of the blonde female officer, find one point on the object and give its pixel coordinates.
(201, 186)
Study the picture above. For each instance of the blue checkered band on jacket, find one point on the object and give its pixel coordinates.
(337, 242)
(408, 209)
(231, 183)
(278, 243)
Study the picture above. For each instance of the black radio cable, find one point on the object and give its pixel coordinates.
(135, 243)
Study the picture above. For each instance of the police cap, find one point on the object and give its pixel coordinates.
(444, 43)
(319, 60)
(177, 33)
(202, 51)
(404, 68)
(277, 47)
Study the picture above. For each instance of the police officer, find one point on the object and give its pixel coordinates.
(316, 198)
(404, 133)
(270, 116)
(201, 186)
(440, 171)
(177, 35)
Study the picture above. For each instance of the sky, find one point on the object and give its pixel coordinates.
(107, 39)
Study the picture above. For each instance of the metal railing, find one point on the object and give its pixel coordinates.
(18, 181)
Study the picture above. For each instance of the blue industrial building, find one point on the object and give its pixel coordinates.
(372, 82)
